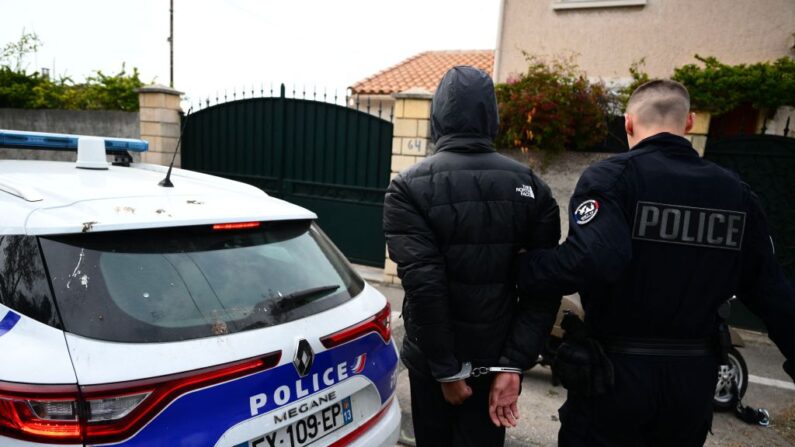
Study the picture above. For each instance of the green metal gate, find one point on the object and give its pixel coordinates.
(767, 164)
(331, 159)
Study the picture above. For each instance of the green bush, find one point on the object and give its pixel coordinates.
(718, 88)
(16, 89)
(19, 89)
(98, 92)
(552, 107)
(639, 77)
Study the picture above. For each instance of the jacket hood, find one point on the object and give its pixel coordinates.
(464, 110)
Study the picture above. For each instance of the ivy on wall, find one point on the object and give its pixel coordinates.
(717, 88)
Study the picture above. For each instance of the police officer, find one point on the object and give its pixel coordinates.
(454, 223)
(658, 239)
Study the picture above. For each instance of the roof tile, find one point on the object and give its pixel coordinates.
(423, 70)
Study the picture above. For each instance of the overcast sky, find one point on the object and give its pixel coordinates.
(226, 44)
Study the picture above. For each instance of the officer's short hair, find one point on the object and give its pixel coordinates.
(659, 102)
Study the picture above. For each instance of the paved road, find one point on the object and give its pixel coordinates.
(770, 387)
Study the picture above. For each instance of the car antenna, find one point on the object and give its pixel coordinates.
(166, 182)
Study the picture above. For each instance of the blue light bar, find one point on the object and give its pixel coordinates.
(18, 139)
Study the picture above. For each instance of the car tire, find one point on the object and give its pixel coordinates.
(737, 370)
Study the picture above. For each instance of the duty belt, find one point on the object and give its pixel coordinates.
(659, 347)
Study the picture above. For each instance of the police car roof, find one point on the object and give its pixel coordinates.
(46, 197)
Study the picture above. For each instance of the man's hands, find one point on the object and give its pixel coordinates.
(456, 392)
(502, 399)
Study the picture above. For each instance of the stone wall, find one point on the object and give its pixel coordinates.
(160, 123)
(783, 119)
(698, 134)
(80, 122)
(412, 131)
(410, 143)
(561, 175)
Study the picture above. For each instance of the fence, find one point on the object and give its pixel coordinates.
(331, 159)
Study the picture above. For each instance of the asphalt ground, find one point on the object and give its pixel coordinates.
(769, 387)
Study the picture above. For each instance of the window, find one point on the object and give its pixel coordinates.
(584, 4)
(184, 283)
(23, 280)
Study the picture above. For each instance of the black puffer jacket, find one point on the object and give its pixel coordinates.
(454, 224)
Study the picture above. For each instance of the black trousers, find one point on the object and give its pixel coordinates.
(656, 401)
(439, 424)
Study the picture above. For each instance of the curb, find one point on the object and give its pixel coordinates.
(372, 275)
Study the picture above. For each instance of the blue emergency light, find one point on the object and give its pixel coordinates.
(18, 139)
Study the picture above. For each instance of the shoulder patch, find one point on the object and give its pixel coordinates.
(526, 191)
(586, 211)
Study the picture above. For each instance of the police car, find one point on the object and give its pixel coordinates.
(204, 314)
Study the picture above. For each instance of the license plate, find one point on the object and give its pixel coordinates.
(309, 429)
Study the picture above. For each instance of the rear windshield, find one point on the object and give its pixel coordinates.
(185, 283)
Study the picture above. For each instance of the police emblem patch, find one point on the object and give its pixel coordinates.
(586, 212)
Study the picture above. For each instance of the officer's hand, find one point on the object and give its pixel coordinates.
(502, 399)
(456, 392)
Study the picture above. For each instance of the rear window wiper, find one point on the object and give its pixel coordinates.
(293, 300)
(302, 297)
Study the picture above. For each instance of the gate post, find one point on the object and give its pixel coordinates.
(160, 123)
(410, 143)
(698, 134)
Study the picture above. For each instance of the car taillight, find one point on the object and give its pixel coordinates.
(101, 414)
(236, 226)
(40, 413)
(112, 408)
(380, 323)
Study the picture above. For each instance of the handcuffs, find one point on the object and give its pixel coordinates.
(468, 371)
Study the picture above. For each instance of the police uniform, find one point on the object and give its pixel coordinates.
(658, 239)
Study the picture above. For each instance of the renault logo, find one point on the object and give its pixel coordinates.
(303, 358)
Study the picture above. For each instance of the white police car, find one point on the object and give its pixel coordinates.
(207, 314)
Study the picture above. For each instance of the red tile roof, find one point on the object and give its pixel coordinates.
(422, 71)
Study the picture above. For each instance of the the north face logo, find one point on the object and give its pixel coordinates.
(526, 191)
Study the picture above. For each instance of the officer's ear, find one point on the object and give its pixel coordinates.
(691, 117)
(629, 126)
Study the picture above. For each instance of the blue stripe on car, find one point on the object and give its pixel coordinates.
(8, 322)
(202, 416)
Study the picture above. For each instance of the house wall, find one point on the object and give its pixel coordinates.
(667, 33)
